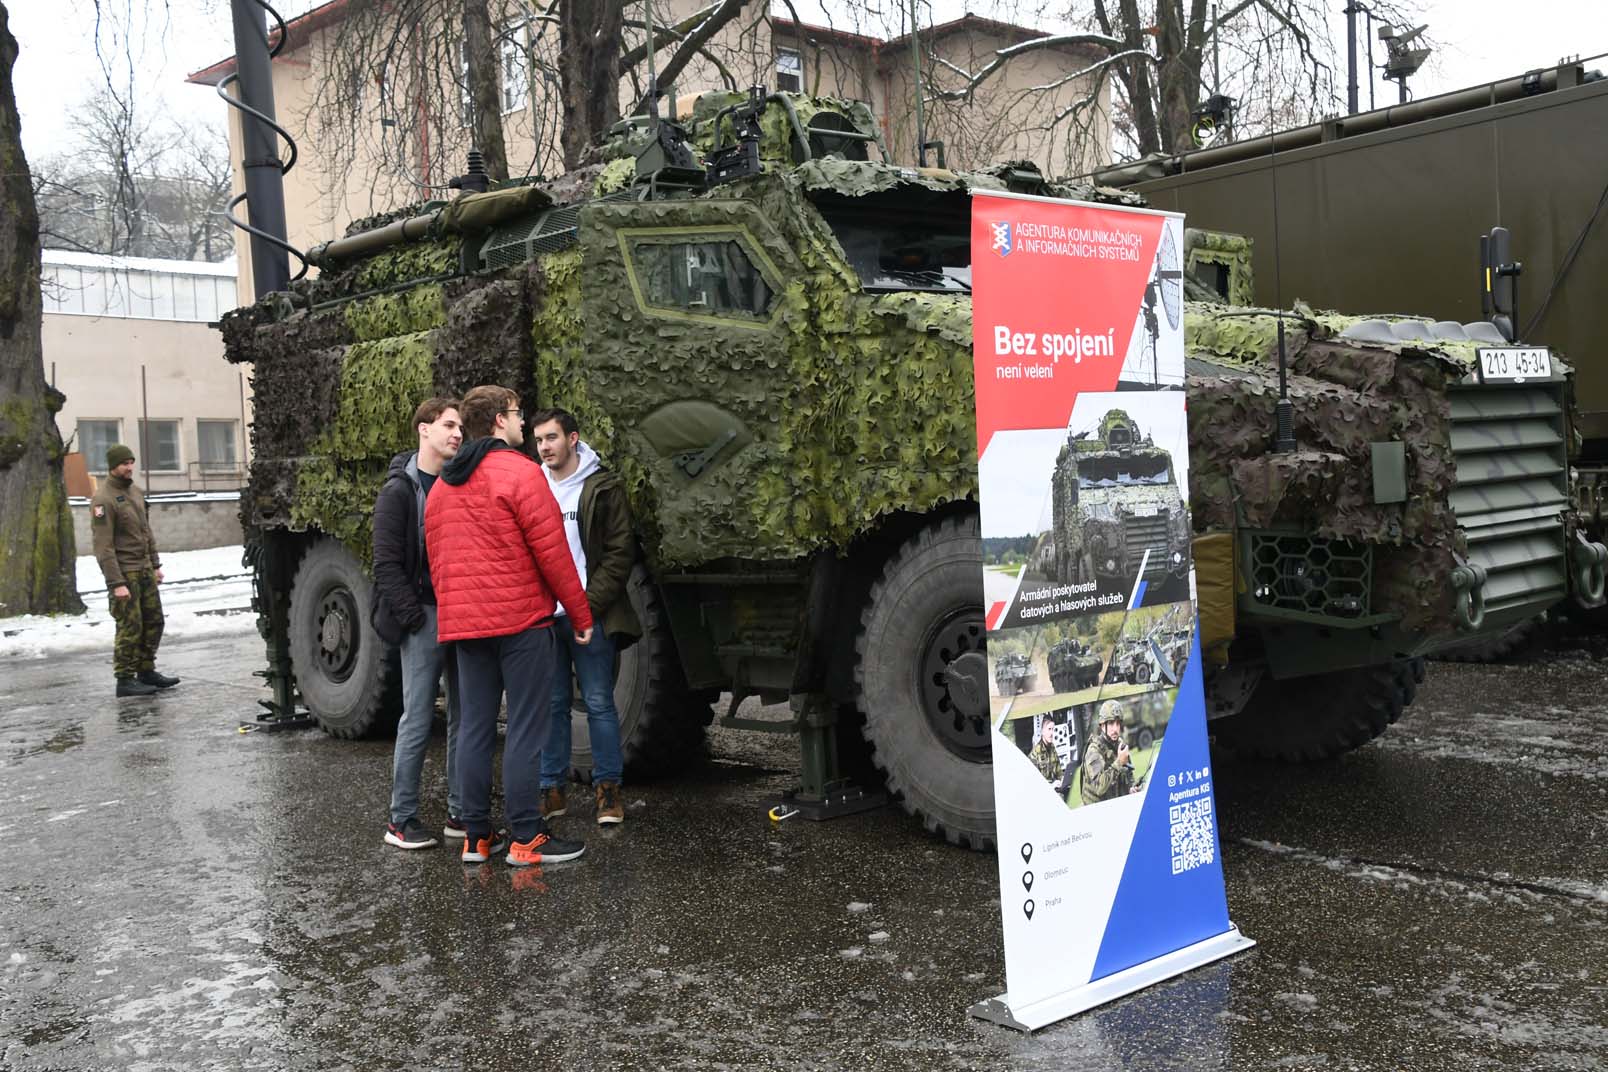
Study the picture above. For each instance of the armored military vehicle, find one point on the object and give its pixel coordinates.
(765, 328)
(1131, 662)
(1117, 508)
(1014, 674)
(1073, 666)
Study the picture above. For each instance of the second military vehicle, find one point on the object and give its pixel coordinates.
(1014, 674)
(1073, 665)
(766, 331)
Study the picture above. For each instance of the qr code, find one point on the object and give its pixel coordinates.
(1194, 842)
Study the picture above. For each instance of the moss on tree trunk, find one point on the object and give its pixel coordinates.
(36, 531)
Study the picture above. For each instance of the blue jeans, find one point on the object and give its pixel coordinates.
(423, 661)
(520, 664)
(593, 666)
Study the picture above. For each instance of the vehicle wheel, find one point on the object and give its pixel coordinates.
(348, 677)
(1306, 719)
(922, 681)
(1144, 738)
(661, 723)
(1489, 649)
(1142, 674)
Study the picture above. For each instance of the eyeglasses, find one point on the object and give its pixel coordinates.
(519, 413)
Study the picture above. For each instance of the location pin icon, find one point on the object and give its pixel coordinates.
(1027, 906)
(1027, 880)
(1027, 852)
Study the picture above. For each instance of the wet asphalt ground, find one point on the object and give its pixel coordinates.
(177, 895)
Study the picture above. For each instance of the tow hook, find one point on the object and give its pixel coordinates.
(1468, 580)
(1590, 562)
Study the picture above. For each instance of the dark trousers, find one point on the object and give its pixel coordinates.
(522, 665)
(139, 624)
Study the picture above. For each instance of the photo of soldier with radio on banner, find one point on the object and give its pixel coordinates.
(1102, 779)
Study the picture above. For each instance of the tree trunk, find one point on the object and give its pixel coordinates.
(37, 571)
(1179, 45)
(589, 60)
(485, 68)
(1140, 92)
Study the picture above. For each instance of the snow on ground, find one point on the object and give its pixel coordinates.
(204, 593)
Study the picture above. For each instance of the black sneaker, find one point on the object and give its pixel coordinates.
(453, 829)
(129, 686)
(157, 679)
(544, 848)
(478, 848)
(410, 835)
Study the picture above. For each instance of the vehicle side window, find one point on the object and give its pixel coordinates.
(712, 278)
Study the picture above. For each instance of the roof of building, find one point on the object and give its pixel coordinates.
(69, 258)
(303, 27)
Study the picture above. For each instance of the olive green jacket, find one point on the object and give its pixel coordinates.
(121, 531)
(1102, 778)
(611, 551)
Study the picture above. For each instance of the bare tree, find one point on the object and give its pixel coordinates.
(135, 187)
(37, 571)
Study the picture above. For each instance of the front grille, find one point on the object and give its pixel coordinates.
(1310, 575)
(1141, 534)
(1512, 489)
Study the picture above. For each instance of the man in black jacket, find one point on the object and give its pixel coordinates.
(405, 614)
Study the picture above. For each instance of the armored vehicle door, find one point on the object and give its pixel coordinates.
(683, 348)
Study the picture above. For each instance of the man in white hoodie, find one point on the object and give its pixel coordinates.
(597, 521)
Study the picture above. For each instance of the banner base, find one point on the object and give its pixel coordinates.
(1125, 982)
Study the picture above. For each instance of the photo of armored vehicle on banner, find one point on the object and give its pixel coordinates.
(763, 325)
(1073, 665)
(1014, 674)
(1119, 498)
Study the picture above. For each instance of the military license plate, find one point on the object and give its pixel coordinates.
(1514, 364)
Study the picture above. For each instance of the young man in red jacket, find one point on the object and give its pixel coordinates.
(498, 558)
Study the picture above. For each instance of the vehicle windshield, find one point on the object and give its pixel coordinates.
(1122, 472)
(908, 238)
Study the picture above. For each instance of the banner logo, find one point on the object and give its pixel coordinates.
(1002, 238)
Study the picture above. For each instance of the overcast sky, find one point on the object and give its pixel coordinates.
(1480, 40)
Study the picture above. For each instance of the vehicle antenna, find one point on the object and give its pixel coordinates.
(653, 70)
(1284, 409)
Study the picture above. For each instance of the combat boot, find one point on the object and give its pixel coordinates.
(157, 679)
(129, 686)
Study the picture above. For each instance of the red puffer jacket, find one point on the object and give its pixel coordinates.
(496, 545)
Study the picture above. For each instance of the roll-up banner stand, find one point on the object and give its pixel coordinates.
(1110, 876)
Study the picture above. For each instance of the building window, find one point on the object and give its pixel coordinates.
(515, 68)
(159, 446)
(215, 441)
(94, 438)
(789, 71)
(711, 278)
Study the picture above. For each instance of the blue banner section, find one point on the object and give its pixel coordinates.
(1171, 894)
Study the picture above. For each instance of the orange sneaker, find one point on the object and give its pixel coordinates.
(544, 848)
(478, 848)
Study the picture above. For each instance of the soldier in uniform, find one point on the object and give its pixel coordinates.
(1107, 767)
(126, 551)
(1044, 755)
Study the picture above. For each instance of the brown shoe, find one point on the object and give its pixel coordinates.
(552, 802)
(609, 808)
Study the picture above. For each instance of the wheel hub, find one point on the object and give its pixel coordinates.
(337, 633)
(954, 684)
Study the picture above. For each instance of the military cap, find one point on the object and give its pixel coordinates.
(117, 454)
(1110, 711)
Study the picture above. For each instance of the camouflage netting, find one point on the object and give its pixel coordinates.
(1346, 397)
(843, 406)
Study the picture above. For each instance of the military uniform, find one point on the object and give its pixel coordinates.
(126, 552)
(1102, 778)
(1047, 760)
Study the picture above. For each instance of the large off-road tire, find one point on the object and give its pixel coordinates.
(1307, 719)
(348, 677)
(921, 675)
(661, 721)
(1490, 649)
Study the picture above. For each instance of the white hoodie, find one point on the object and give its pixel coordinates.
(568, 494)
